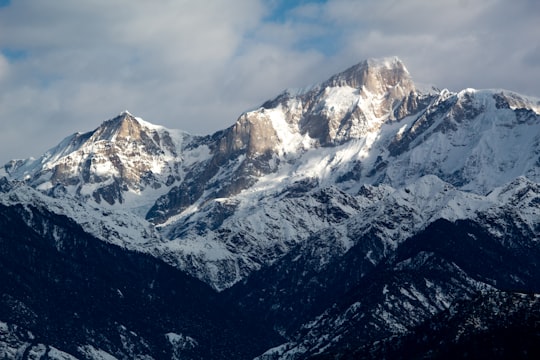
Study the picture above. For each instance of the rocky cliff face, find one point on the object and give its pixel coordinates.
(351, 104)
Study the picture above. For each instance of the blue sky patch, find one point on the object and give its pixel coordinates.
(14, 54)
(282, 8)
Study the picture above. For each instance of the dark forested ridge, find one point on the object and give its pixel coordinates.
(70, 290)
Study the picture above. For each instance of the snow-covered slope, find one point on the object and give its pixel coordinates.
(119, 227)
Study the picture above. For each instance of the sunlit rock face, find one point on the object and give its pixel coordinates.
(352, 103)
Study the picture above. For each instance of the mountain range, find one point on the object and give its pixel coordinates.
(362, 217)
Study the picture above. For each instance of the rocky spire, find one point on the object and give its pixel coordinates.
(378, 76)
(124, 126)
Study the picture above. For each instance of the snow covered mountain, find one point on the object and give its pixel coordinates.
(124, 163)
(343, 214)
(367, 125)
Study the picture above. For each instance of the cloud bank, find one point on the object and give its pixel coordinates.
(66, 66)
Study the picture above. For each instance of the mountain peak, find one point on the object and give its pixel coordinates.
(376, 75)
(123, 126)
(384, 62)
(123, 155)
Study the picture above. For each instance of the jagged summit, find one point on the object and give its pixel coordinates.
(347, 105)
(124, 126)
(377, 76)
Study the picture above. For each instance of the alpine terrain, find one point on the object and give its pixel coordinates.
(362, 217)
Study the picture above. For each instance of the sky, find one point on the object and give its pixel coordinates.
(67, 66)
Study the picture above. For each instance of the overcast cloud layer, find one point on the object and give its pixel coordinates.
(66, 66)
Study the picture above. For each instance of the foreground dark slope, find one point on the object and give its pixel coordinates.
(493, 325)
(71, 290)
(349, 307)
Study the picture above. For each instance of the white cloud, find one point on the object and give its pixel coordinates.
(4, 67)
(68, 65)
(86, 61)
(455, 44)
